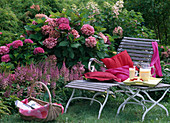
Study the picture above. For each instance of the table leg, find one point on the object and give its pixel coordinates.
(130, 97)
(155, 103)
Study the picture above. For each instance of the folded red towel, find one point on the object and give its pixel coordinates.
(120, 72)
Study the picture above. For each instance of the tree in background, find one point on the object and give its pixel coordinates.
(156, 14)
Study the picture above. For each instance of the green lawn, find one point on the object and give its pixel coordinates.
(82, 112)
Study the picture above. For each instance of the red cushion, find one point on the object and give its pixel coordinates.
(101, 76)
(118, 60)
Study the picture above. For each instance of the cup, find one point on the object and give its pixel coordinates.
(132, 73)
(145, 71)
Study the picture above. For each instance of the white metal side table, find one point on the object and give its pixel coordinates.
(133, 91)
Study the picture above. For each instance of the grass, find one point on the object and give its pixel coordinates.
(82, 112)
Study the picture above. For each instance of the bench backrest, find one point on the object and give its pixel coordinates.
(139, 49)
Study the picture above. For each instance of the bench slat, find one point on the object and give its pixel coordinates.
(136, 42)
(141, 39)
(135, 51)
(140, 55)
(140, 59)
(90, 86)
(138, 48)
(85, 88)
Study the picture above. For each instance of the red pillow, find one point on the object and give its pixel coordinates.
(118, 60)
(101, 76)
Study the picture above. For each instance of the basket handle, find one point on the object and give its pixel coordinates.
(49, 94)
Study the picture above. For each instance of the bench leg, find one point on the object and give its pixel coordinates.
(69, 101)
(96, 94)
(101, 107)
(155, 103)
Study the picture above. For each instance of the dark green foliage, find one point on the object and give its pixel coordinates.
(156, 14)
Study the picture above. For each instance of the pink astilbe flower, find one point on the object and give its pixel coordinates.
(28, 41)
(5, 58)
(75, 33)
(62, 20)
(54, 33)
(64, 26)
(39, 16)
(4, 50)
(7, 93)
(87, 29)
(90, 42)
(52, 22)
(38, 50)
(17, 43)
(46, 29)
(0, 33)
(50, 42)
(103, 36)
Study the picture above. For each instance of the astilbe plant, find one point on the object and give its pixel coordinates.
(47, 72)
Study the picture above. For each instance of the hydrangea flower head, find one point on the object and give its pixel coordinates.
(28, 41)
(90, 42)
(87, 29)
(52, 22)
(5, 58)
(46, 29)
(62, 20)
(50, 42)
(4, 50)
(103, 36)
(64, 26)
(38, 50)
(75, 33)
(17, 43)
(39, 16)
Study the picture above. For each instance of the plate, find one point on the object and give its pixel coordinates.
(150, 83)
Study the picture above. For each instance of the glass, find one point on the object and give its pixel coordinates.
(132, 71)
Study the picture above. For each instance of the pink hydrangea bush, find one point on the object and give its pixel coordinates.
(87, 29)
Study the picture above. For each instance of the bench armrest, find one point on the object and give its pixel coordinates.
(92, 67)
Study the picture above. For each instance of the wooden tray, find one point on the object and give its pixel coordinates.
(150, 83)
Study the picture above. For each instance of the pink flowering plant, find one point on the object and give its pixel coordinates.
(69, 36)
(23, 51)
